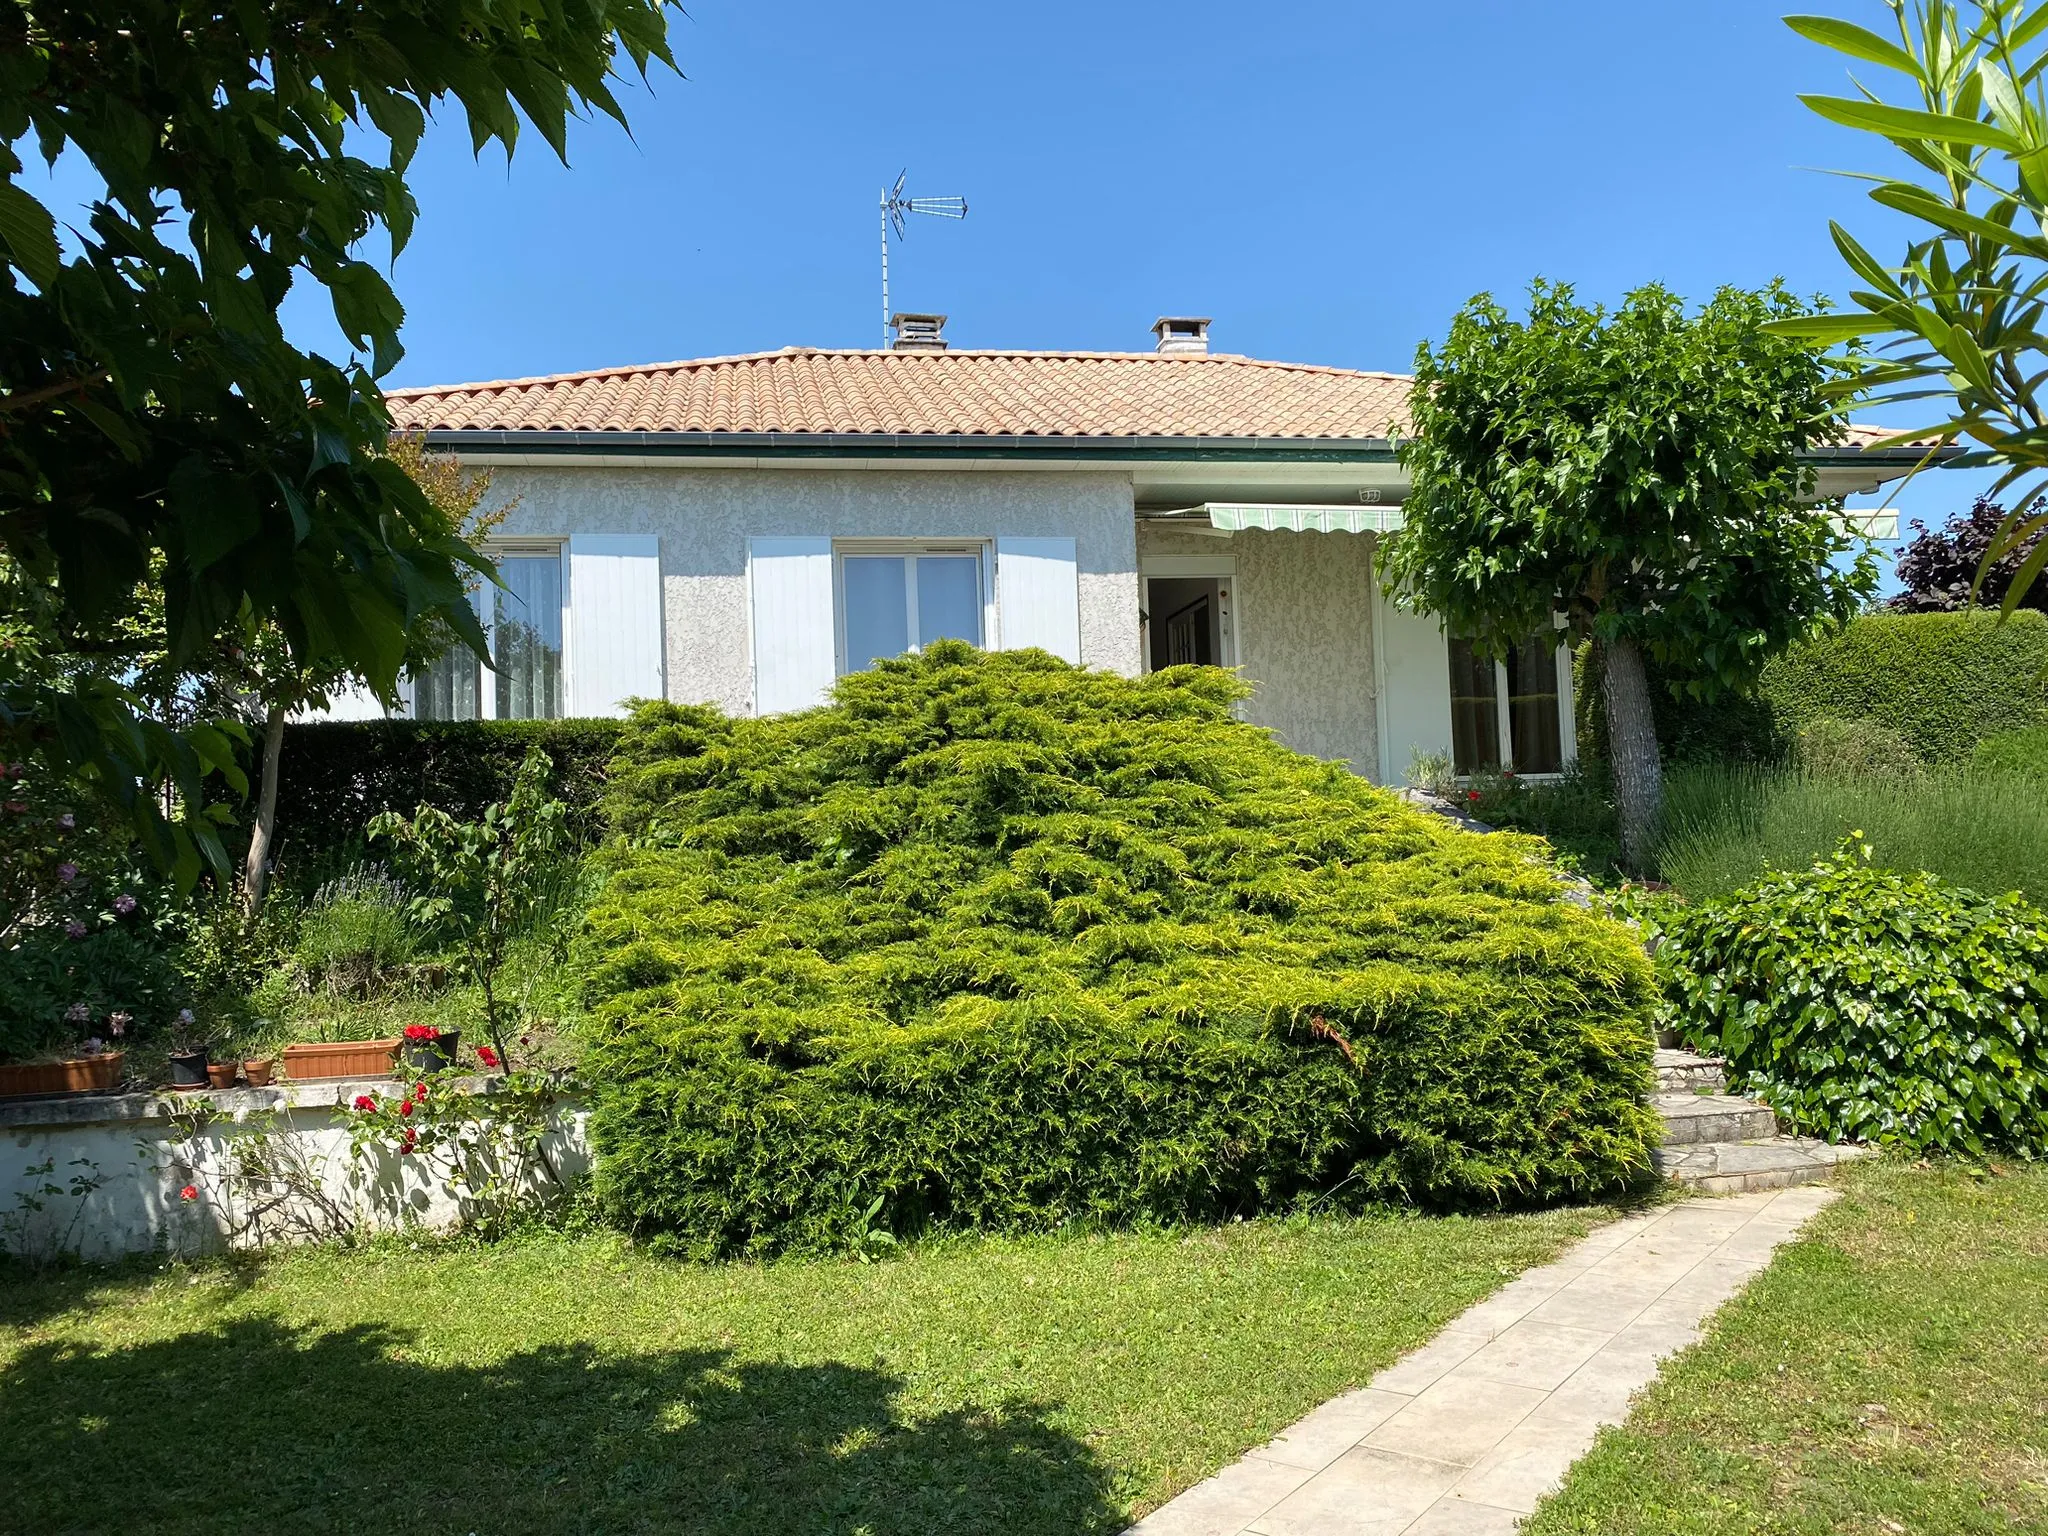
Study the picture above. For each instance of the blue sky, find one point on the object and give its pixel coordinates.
(1329, 181)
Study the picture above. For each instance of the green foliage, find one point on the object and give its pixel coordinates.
(1874, 1006)
(1959, 320)
(1828, 748)
(487, 879)
(1003, 943)
(335, 776)
(355, 934)
(1724, 825)
(2014, 754)
(1640, 471)
(156, 414)
(1943, 681)
(1574, 814)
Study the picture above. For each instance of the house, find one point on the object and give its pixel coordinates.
(740, 531)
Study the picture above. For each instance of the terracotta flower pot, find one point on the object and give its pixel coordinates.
(220, 1074)
(188, 1070)
(339, 1058)
(257, 1072)
(42, 1079)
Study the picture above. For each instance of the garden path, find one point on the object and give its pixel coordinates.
(1463, 1436)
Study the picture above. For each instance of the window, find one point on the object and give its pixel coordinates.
(523, 621)
(1521, 700)
(1475, 711)
(897, 600)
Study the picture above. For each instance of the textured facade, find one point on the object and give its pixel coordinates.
(704, 518)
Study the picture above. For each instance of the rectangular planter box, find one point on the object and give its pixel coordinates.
(339, 1058)
(43, 1079)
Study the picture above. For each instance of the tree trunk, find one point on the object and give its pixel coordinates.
(256, 873)
(1632, 748)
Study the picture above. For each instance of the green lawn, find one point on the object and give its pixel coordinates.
(1889, 1374)
(1059, 1384)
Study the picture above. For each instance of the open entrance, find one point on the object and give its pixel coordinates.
(1187, 616)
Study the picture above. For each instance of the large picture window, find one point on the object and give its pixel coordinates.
(523, 620)
(1520, 701)
(898, 600)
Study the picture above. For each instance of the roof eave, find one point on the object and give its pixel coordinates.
(933, 445)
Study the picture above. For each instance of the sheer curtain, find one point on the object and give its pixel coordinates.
(526, 639)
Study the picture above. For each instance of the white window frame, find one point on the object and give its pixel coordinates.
(1230, 617)
(983, 551)
(1567, 712)
(483, 602)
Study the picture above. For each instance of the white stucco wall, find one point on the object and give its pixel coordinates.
(705, 517)
(144, 1148)
(1304, 634)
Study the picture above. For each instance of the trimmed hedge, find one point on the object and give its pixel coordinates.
(994, 942)
(2016, 754)
(1942, 681)
(1872, 1005)
(333, 776)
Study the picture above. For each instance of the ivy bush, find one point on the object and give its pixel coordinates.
(1871, 1005)
(996, 942)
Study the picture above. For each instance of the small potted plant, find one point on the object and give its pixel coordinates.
(256, 1071)
(188, 1054)
(429, 1048)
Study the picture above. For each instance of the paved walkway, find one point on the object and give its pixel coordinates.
(1462, 1437)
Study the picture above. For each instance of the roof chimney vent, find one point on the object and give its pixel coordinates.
(1182, 334)
(918, 333)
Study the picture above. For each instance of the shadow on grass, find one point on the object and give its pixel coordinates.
(253, 1427)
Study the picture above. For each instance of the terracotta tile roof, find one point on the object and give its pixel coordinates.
(966, 393)
(1031, 394)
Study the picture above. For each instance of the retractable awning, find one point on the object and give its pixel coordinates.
(1237, 516)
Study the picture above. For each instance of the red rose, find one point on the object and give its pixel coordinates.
(419, 1091)
(1471, 794)
(405, 1106)
(487, 1056)
(189, 1192)
(364, 1101)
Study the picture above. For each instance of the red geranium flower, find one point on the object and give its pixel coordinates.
(405, 1106)
(419, 1091)
(189, 1192)
(422, 1032)
(487, 1056)
(364, 1101)
(1471, 794)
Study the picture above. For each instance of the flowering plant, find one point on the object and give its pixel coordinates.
(419, 1033)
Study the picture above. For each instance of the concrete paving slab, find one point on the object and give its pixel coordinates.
(1463, 1436)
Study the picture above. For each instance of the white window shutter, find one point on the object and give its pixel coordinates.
(614, 649)
(789, 589)
(1038, 596)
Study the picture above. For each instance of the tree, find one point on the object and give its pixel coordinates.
(153, 413)
(1959, 321)
(1953, 567)
(282, 683)
(1635, 477)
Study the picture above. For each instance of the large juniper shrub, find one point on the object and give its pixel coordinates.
(996, 942)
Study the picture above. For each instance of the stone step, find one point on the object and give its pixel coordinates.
(1681, 1071)
(1738, 1167)
(1693, 1118)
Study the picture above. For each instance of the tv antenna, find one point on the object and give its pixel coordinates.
(894, 206)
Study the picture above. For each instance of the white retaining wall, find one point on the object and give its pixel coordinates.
(144, 1149)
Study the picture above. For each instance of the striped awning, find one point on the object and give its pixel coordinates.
(1238, 516)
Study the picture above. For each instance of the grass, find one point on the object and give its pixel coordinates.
(1724, 825)
(1887, 1374)
(1059, 1384)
